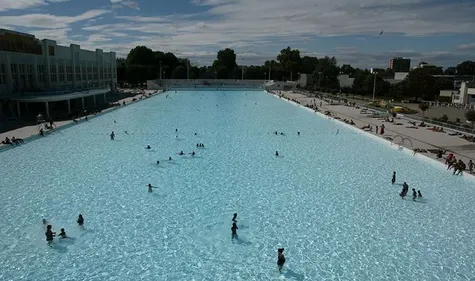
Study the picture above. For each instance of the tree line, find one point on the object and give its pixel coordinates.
(143, 64)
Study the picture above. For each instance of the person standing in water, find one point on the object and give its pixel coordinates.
(419, 194)
(234, 217)
(112, 135)
(150, 187)
(393, 180)
(414, 194)
(80, 221)
(280, 259)
(49, 235)
(233, 232)
(276, 154)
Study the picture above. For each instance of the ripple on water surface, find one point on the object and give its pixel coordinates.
(327, 199)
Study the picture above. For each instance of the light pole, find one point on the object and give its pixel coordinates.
(242, 72)
(265, 76)
(374, 85)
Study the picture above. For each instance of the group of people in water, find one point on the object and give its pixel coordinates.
(50, 234)
(405, 189)
(12, 141)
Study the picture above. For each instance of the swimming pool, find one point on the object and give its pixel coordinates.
(327, 199)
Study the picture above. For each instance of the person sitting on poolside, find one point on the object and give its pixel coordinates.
(148, 147)
(62, 234)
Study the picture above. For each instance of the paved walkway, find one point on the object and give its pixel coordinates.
(421, 138)
(29, 131)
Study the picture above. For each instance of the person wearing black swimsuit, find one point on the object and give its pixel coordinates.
(49, 235)
(233, 232)
(80, 221)
(280, 258)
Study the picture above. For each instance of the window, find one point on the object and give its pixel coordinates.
(96, 76)
(41, 73)
(51, 50)
(53, 73)
(3, 71)
(84, 74)
(61, 73)
(29, 68)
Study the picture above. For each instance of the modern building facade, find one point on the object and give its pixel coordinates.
(400, 64)
(466, 94)
(41, 69)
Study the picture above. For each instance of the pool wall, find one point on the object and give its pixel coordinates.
(408, 151)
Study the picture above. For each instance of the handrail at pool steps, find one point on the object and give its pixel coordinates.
(5, 147)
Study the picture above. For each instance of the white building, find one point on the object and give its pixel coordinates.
(33, 71)
(305, 80)
(466, 94)
(345, 81)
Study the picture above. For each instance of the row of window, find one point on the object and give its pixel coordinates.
(61, 73)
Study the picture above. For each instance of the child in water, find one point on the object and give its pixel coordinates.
(393, 180)
(233, 231)
(280, 259)
(62, 234)
(414, 194)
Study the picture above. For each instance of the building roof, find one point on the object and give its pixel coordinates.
(69, 96)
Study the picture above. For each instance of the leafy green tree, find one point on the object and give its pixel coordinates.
(225, 58)
(140, 55)
(326, 74)
(222, 73)
(290, 62)
(308, 64)
(179, 72)
(423, 107)
(466, 68)
(450, 71)
(347, 69)
(421, 84)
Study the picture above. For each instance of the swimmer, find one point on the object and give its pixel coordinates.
(158, 162)
(49, 235)
(181, 153)
(126, 132)
(112, 136)
(150, 187)
(276, 154)
(275, 133)
(62, 234)
(419, 194)
(169, 159)
(176, 136)
(234, 217)
(298, 133)
(414, 194)
(233, 231)
(193, 153)
(393, 180)
(197, 145)
(80, 221)
(44, 221)
(176, 130)
(115, 121)
(196, 134)
(148, 147)
(280, 259)
(337, 131)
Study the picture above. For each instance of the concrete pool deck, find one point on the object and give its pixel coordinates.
(32, 131)
(421, 138)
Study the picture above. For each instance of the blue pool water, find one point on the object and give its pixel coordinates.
(328, 199)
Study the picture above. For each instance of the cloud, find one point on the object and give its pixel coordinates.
(466, 47)
(48, 21)
(6, 5)
(124, 3)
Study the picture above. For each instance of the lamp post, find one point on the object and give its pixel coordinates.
(265, 76)
(374, 85)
